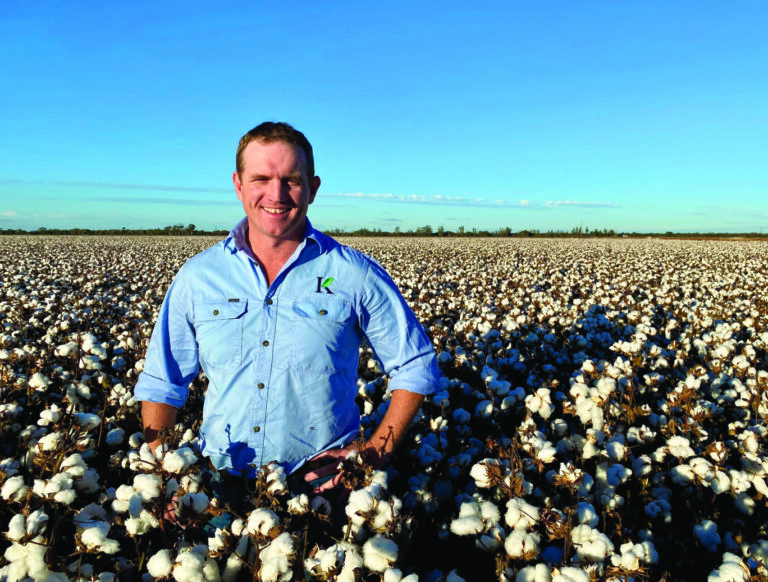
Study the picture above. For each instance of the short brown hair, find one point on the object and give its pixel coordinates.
(271, 132)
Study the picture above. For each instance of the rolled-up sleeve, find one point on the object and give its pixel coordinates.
(396, 336)
(172, 359)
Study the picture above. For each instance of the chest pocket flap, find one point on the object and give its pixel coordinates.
(219, 333)
(330, 310)
(216, 310)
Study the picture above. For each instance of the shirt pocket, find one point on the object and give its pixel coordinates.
(219, 333)
(323, 336)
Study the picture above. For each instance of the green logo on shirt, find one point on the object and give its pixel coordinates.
(324, 285)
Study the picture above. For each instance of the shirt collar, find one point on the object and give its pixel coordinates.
(237, 238)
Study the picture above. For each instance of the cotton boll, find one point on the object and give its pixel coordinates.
(17, 528)
(587, 514)
(479, 472)
(321, 505)
(261, 521)
(211, 571)
(537, 573)
(360, 503)
(115, 437)
(468, 525)
(197, 502)
(453, 576)
(590, 544)
(707, 534)
(39, 382)
(276, 559)
(379, 553)
(298, 505)
(633, 556)
(189, 567)
(148, 486)
(51, 441)
(570, 574)
(733, 569)
(522, 544)
(521, 514)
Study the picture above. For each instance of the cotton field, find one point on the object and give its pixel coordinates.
(602, 416)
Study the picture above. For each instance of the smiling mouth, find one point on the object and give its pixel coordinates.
(277, 210)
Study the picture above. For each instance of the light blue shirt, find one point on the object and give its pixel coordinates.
(281, 359)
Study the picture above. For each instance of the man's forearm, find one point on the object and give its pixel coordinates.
(403, 407)
(156, 417)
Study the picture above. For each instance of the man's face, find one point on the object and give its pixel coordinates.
(275, 190)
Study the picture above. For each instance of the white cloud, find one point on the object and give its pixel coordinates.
(10, 213)
(525, 202)
(580, 204)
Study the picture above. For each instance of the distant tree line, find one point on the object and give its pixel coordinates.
(170, 230)
(421, 231)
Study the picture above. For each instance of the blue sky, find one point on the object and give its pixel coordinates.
(631, 115)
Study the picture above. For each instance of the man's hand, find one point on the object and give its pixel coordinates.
(156, 417)
(403, 406)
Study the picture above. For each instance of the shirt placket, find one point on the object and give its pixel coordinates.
(264, 354)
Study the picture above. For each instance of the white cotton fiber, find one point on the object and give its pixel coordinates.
(379, 553)
(261, 520)
(160, 565)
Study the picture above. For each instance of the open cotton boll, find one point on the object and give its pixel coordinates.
(360, 502)
(386, 513)
(148, 486)
(298, 505)
(521, 514)
(17, 528)
(115, 436)
(276, 559)
(179, 460)
(160, 564)
(141, 524)
(88, 421)
(707, 534)
(453, 576)
(261, 521)
(379, 553)
(570, 574)
(50, 442)
(321, 505)
(189, 567)
(634, 556)
(198, 502)
(537, 573)
(467, 525)
(479, 472)
(733, 569)
(39, 382)
(14, 489)
(522, 544)
(590, 544)
(94, 537)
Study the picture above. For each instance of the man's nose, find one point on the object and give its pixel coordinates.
(278, 190)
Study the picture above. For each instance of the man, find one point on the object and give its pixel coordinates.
(275, 314)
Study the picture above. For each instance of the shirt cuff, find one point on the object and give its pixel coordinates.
(421, 376)
(154, 389)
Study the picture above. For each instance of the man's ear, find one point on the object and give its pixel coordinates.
(314, 186)
(238, 186)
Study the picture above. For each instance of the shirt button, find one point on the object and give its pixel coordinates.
(260, 385)
(323, 312)
(265, 343)
(269, 302)
(215, 311)
(256, 429)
